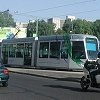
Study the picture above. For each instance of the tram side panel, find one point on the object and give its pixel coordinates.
(34, 54)
(19, 53)
(49, 55)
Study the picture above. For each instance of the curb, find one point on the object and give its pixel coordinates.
(46, 73)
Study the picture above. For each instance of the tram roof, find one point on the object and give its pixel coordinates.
(51, 37)
(62, 37)
(48, 38)
(28, 39)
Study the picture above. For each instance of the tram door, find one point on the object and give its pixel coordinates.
(5, 54)
(28, 54)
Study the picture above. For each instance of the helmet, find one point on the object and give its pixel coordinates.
(99, 55)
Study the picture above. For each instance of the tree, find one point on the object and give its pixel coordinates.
(60, 31)
(67, 27)
(44, 28)
(78, 26)
(30, 30)
(96, 28)
(6, 19)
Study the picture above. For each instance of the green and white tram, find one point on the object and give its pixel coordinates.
(59, 52)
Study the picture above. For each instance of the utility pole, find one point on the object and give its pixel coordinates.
(36, 27)
(72, 26)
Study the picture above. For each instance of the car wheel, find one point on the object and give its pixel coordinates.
(5, 84)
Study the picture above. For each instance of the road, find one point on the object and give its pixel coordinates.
(27, 87)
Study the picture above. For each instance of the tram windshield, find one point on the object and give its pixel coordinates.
(78, 50)
(92, 48)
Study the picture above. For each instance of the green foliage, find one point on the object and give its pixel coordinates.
(67, 27)
(59, 31)
(96, 28)
(6, 19)
(44, 28)
(78, 26)
(30, 30)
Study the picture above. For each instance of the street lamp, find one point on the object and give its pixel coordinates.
(5, 16)
(5, 11)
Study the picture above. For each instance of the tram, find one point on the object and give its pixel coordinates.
(55, 51)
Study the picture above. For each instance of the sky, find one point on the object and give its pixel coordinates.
(25, 10)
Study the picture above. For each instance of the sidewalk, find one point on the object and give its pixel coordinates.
(47, 73)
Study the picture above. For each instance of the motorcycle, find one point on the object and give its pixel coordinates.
(89, 67)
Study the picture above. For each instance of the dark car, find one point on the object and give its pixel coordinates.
(4, 75)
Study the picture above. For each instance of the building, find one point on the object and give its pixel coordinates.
(62, 23)
(70, 18)
(21, 25)
(57, 21)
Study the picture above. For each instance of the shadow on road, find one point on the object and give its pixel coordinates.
(77, 89)
(72, 88)
(71, 79)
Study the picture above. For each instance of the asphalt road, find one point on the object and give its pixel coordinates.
(27, 87)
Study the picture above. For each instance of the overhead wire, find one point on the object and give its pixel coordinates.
(50, 8)
(26, 14)
(87, 11)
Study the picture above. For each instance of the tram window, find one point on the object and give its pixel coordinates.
(54, 49)
(64, 50)
(28, 50)
(43, 50)
(12, 48)
(19, 50)
(5, 50)
(78, 50)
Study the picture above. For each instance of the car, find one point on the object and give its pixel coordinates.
(4, 75)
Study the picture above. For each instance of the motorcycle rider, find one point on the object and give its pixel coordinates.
(94, 69)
